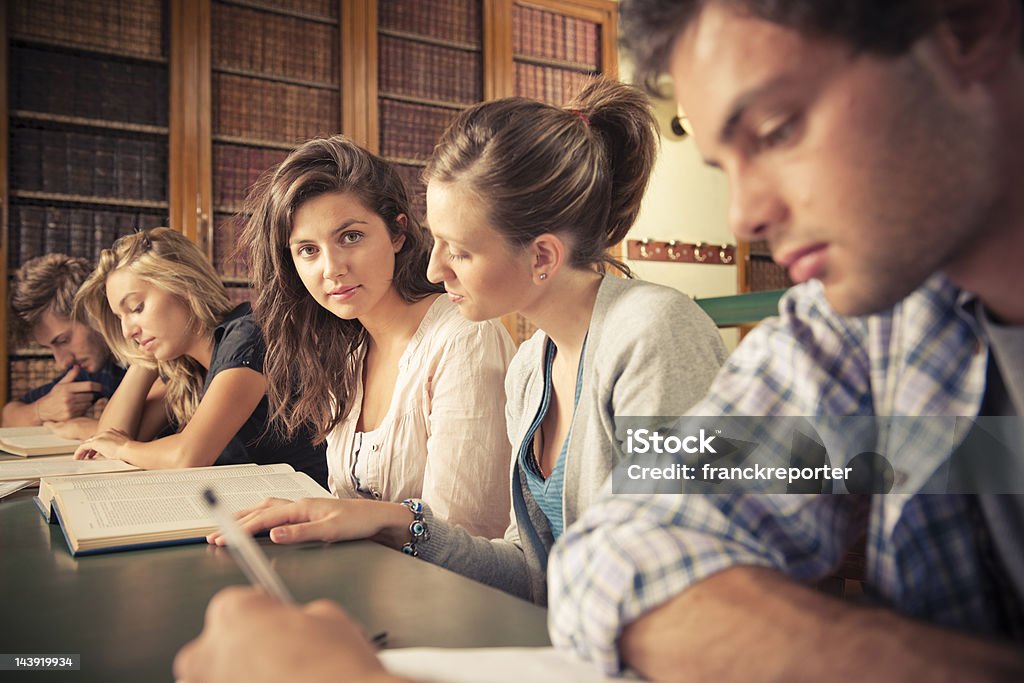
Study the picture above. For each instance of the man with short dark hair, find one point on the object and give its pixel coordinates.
(879, 148)
(42, 295)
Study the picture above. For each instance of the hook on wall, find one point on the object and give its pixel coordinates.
(674, 251)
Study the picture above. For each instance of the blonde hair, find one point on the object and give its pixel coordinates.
(168, 260)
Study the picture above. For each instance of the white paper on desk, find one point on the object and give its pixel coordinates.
(491, 665)
(9, 487)
(60, 465)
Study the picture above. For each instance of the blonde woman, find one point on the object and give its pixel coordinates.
(195, 362)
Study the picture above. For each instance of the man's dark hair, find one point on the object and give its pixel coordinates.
(887, 27)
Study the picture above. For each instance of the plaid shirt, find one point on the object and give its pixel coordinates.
(630, 553)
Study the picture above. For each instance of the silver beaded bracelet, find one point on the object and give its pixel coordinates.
(417, 527)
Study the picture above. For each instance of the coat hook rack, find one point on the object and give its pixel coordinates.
(675, 251)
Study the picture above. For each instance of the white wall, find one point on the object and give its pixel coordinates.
(686, 201)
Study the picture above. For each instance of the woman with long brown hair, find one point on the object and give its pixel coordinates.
(364, 350)
(195, 362)
(524, 200)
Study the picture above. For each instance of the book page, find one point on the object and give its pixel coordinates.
(11, 470)
(7, 432)
(142, 509)
(20, 440)
(492, 665)
(49, 485)
(212, 472)
(7, 488)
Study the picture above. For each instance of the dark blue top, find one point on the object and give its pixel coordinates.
(547, 493)
(109, 377)
(237, 343)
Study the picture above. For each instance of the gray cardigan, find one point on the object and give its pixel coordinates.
(650, 351)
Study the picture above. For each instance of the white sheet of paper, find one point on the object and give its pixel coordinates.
(492, 665)
(9, 487)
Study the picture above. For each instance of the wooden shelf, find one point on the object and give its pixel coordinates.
(258, 75)
(85, 199)
(29, 352)
(429, 40)
(557, 63)
(102, 124)
(253, 142)
(280, 11)
(406, 161)
(411, 99)
(106, 52)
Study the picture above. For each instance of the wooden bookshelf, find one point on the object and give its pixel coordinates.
(555, 47)
(117, 115)
(275, 82)
(85, 137)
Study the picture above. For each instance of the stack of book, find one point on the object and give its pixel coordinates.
(540, 33)
(88, 86)
(28, 373)
(236, 168)
(108, 25)
(452, 20)
(430, 72)
(410, 131)
(270, 111)
(276, 45)
(76, 230)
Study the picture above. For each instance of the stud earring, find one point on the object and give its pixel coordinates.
(543, 276)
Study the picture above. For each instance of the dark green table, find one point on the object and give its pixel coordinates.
(128, 613)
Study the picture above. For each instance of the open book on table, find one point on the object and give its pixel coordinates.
(105, 513)
(29, 441)
(35, 469)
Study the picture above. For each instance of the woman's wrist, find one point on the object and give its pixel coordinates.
(394, 530)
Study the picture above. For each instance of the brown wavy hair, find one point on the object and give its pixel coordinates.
(579, 171)
(44, 284)
(310, 352)
(170, 261)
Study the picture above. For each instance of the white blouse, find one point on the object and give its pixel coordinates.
(443, 438)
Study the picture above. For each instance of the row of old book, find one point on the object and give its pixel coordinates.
(35, 230)
(228, 258)
(410, 131)
(88, 163)
(272, 44)
(129, 26)
(538, 33)
(88, 86)
(25, 374)
(764, 274)
(453, 20)
(412, 176)
(547, 83)
(236, 168)
(258, 109)
(429, 72)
